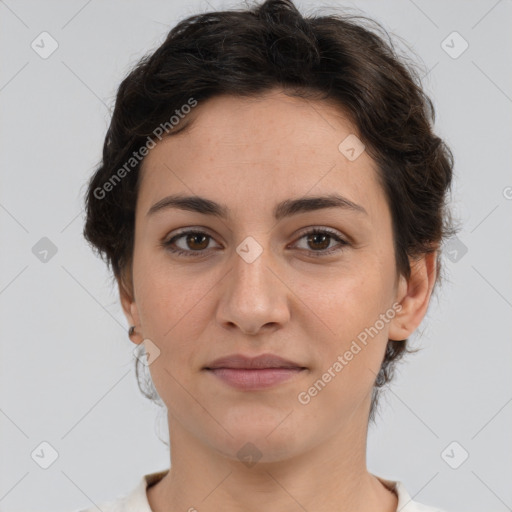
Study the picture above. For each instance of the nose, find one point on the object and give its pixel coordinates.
(254, 296)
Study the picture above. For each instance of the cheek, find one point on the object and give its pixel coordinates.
(348, 359)
(171, 308)
(173, 319)
(357, 312)
(166, 296)
(352, 301)
(174, 310)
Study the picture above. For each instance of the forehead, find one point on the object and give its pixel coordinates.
(260, 150)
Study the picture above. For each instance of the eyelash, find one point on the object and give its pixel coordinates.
(315, 231)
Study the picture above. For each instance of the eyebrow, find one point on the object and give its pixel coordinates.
(286, 208)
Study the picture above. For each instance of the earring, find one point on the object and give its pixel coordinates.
(131, 330)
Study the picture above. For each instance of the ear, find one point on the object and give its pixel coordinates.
(414, 296)
(129, 306)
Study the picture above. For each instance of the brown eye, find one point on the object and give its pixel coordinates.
(194, 243)
(318, 242)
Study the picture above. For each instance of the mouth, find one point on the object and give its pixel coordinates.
(261, 362)
(254, 379)
(254, 373)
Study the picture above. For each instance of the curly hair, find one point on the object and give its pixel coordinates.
(347, 60)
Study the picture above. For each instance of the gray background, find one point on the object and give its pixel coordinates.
(66, 364)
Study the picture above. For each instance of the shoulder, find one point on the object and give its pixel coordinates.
(405, 502)
(117, 505)
(134, 501)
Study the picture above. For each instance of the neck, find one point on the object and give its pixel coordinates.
(327, 476)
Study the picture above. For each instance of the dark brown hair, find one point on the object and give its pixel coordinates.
(337, 58)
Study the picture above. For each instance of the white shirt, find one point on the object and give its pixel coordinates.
(137, 500)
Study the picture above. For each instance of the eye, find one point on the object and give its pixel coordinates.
(196, 242)
(320, 239)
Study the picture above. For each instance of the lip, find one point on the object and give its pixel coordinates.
(263, 361)
(254, 373)
(255, 379)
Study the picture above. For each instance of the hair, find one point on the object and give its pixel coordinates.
(248, 52)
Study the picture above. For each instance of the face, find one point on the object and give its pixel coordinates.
(250, 283)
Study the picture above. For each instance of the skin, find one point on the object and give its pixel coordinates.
(250, 154)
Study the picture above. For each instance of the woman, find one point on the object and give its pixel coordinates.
(271, 201)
